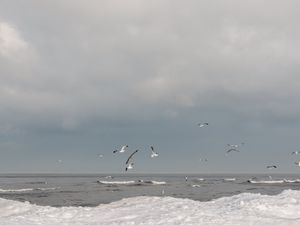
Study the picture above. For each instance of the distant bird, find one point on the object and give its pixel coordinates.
(297, 163)
(186, 178)
(202, 124)
(100, 155)
(205, 160)
(272, 167)
(235, 145)
(59, 161)
(232, 146)
(232, 150)
(153, 153)
(122, 149)
(296, 153)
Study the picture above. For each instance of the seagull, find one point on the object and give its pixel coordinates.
(129, 165)
(272, 167)
(122, 149)
(153, 153)
(205, 160)
(100, 155)
(235, 145)
(296, 153)
(232, 146)
(232, 150)
(202, 124)
(297, 163)
(59, 161)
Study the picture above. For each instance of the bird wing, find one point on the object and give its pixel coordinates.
(131, 156)
(232, 149)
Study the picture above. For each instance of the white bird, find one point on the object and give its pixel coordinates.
(297, 163)
(153, 153)
(100, 155)
(122, 149)
(202, 124)
(59, 161)
(296, 153)
(234, 147)
(205, 160)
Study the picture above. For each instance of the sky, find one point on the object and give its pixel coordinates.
(81, 78)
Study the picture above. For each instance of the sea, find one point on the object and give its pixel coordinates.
(149, 199)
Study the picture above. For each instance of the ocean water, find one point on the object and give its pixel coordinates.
(149, 199)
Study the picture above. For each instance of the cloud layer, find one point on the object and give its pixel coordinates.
(71, 65)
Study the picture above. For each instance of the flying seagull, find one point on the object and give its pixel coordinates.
(297, 163)
(131, 156)
(100, 155)
(296, 153)
(272, 167)
(202, 124)
(153, 153)
(235, 145)
(232, 150)
(122, 149)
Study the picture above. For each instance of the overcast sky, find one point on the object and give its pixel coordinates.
(81, 78)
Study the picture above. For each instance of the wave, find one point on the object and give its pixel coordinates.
(245, 208)
(229, 179)
(273, 181)
(26, 189)
(152, 182)
(116, 182)
(292, 181)
(132, 182)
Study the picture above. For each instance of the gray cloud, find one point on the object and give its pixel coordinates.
(72, 64)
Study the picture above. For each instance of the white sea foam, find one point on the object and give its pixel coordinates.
(242, 209)
(266, 181)
(229, 179)
(26, 189)
(273, 181)
(124, 182)
(152, 182)
(16, 190)
(292, 181)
